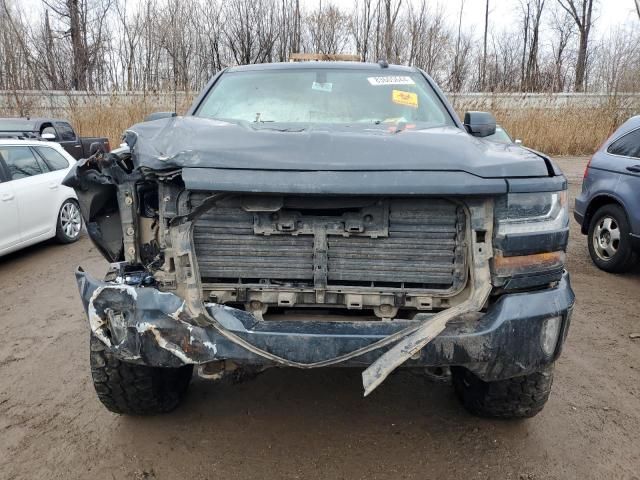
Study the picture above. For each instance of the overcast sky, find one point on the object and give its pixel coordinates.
(610, 13)
(503, 13)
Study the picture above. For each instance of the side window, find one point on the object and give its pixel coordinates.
(21, 162)
(65, 132)
(628, 145)
(54, 159)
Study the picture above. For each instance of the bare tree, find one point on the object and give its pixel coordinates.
(328, 30)
(390, 16)
(582, 13)
(85, 22)
(525, 6)
(461, 56)
(618, 62)
(483, 66)
(172, 45)
(361, 23)
(563, 29)
(534, 8)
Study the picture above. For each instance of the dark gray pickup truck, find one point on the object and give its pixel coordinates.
(54, 130)
(316, 214)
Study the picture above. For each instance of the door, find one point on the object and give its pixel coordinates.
(625, 159)
(67, 139)
(36, 190)
(9, 227)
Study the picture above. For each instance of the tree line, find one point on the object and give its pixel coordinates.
(171, 45)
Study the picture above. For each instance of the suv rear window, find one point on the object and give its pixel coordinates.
(627, 146)
(325, 96)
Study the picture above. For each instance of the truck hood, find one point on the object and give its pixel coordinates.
(200, 143)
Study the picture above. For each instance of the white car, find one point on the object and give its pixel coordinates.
(34, 205)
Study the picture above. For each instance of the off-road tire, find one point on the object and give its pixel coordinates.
(518, 397)
(625, 258)
(132, 389)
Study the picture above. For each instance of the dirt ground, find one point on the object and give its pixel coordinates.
(309, 424)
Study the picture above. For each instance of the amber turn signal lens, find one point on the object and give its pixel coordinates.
(540, 262)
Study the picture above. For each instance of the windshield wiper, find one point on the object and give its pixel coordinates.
(259, 120)
(400, 126)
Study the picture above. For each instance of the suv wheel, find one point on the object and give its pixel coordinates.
(518, 397)
(609, 244)
(69, 222)
(135, 389)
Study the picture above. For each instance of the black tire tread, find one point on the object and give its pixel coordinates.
(518, 397)
(132, 389)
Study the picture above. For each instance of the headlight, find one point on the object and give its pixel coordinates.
(522, 213)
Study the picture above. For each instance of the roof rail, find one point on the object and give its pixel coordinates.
(16, 135)
(325, 57)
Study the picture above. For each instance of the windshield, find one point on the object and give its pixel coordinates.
(325, 96)
(16, 125)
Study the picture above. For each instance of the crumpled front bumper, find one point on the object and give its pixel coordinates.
(146, 326)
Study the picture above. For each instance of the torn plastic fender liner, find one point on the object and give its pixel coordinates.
(96, 181)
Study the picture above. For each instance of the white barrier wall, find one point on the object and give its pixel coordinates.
(57, 103)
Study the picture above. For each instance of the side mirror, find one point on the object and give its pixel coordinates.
(49, 137)
(480, 124)
(96, 147)
(517, 141)
(159, 115)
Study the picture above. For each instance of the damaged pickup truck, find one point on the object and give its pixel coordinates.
(316, 214)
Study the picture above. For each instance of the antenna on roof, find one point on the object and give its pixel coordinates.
(383, 63)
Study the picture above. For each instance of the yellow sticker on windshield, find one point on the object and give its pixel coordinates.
(401, 97)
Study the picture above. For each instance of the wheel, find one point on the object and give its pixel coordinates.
(69, 222)
(518, 397)
(135, 389)
(609, 244)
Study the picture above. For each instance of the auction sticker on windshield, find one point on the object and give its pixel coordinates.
(391, 80)
(409, 99)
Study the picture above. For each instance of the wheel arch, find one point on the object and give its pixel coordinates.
(596, 203)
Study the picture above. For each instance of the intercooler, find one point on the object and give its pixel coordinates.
(339, 245)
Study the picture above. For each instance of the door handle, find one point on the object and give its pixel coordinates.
(6, 197)
(634, 168)
(53, 186)
(78, 146)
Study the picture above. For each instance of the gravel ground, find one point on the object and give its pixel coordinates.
(309, 424)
